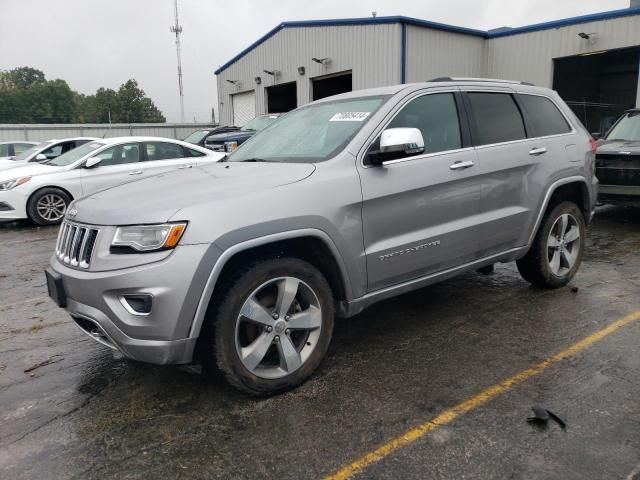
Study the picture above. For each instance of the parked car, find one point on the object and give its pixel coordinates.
(228, 142)
(8, 150)
(342, 203)
(42, 192)
(44, 152)
(618, 161)
(199, 136)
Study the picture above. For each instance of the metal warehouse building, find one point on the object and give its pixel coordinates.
(591, 60)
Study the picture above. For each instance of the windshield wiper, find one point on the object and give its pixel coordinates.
(254, 160)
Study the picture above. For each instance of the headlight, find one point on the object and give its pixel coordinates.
(149, 238)
(9, 184)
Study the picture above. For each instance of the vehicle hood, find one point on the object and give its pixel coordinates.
(157, 199)
(6, 164)
(22, 169)
(235, 136)
(617, 146)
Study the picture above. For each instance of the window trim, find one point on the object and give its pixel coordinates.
(463, 123)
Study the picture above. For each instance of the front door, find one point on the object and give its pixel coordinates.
(420, 212)
(119, 164)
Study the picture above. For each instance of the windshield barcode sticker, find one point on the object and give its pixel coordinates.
(349, 117)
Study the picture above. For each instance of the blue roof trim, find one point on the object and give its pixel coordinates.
(350, 21)
(593, 17)
(625, 12)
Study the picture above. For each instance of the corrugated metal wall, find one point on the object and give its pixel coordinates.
(435, 53)
(371, 52)
(529, 56)
(41, 132)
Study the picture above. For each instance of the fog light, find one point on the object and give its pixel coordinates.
(137, 304)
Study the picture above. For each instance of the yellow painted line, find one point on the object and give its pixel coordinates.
(483, 397)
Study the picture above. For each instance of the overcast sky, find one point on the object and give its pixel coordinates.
(102, 43)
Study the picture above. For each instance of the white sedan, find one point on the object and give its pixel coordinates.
(8, 150)
(43, 191)
(43, 152)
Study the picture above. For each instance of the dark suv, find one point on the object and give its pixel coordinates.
(228, 142)
(199, 136)
(618, 161)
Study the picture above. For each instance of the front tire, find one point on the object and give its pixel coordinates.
(47, 206)
(271, 325)
(556, 252)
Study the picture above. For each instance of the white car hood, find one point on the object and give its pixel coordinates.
(30, 169)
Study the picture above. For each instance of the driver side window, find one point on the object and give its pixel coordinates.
(120, 154)
(436, 116)
(53, 152)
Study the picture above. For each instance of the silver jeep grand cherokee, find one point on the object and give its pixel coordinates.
(344, 202)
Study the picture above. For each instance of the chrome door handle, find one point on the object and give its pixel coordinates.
(460, 165)
(136, 172)
(537, 151)
(182, 167)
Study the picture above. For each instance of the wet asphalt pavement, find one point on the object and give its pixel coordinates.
(70, 409)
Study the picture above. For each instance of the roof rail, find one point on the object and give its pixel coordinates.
(471, 79)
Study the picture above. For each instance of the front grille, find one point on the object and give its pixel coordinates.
(618, 169)
(75, 244)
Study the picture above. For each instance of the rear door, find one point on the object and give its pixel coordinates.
(419, 213)
(160, 157)
(515, 160)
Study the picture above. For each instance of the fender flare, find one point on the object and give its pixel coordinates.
(227, 254)
(545, 203)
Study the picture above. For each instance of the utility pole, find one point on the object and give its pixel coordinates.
(177, 29)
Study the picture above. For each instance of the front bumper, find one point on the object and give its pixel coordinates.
(14, 205)
(627, 194)
(161, 337)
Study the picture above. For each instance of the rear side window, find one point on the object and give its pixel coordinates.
(497, 118)
(543, 117)
(193, 153)
(163, 151)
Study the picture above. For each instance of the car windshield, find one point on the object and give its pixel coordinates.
(74, 155)
(310, 134)
(259, 123)
(27, 153)
(628, 128)
(196, 136)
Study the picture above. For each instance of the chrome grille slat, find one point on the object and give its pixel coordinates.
(75, 244)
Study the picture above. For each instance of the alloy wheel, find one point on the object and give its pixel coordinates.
(278, 327)
(563, 244)
(51, 207)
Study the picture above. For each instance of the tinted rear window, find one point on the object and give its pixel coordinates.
(497, 118)
(543, 117)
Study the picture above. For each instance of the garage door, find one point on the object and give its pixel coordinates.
(244, 107)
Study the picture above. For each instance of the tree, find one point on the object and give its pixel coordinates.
(26, 96)
(21, 77)
(132, 105)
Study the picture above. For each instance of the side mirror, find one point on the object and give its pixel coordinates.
(92, 162)
(41, 157)
(397, 143)
(596, 135)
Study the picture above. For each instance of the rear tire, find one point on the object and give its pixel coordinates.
(556, 252)
(256, 334)
(47, 206)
